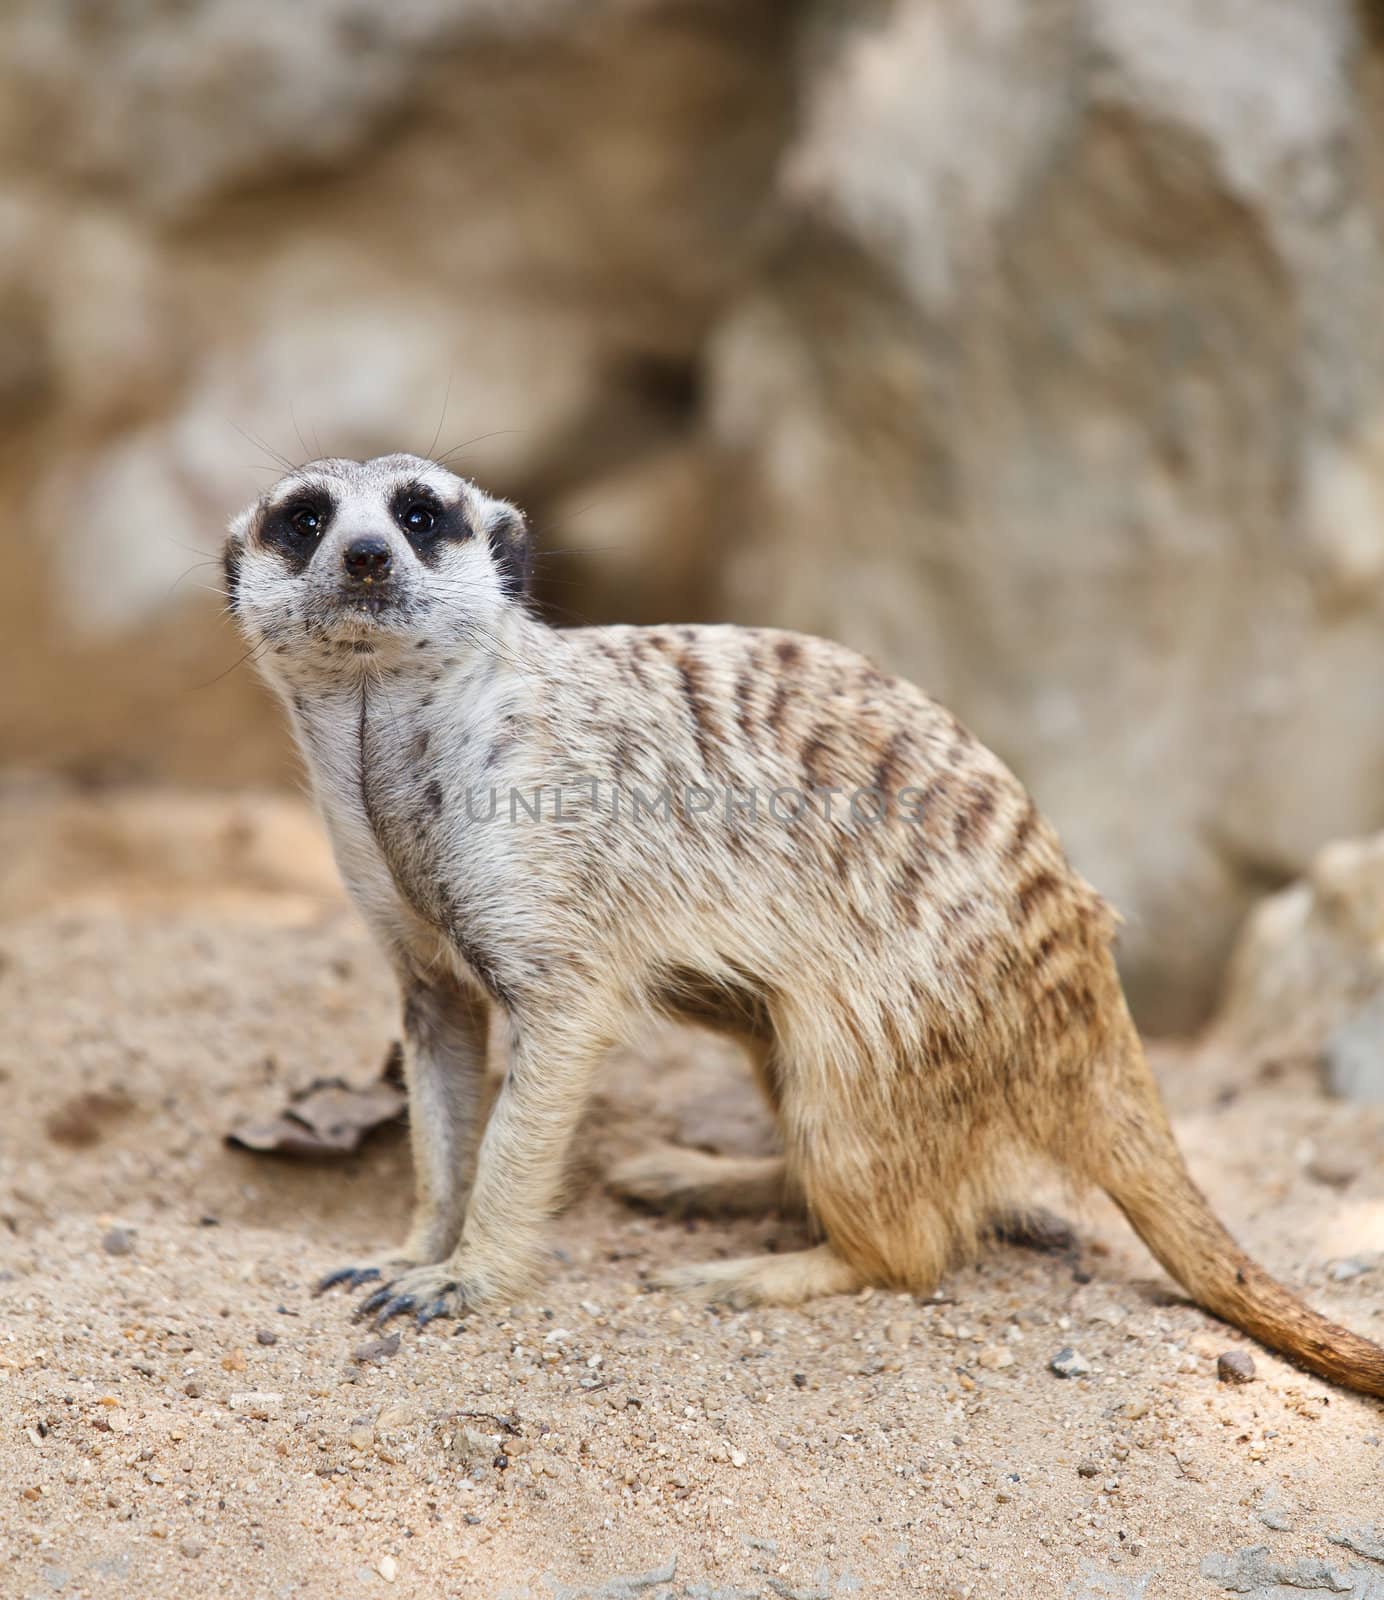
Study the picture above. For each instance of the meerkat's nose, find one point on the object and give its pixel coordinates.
(367, 559)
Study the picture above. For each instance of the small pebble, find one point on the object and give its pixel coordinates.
(1068, 1364)
(1332, 1170)
(1343, 1271)
(388, 1568)
(471, 1447)
(994, 1357)
(1088, 1469)
(376, 1349)
(1235, 1366)
(257, 1404)
(192, 1548)
(266, 1336)
(118, 1242)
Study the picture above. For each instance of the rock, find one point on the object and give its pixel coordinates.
(1097, 1582)
(980, 425)
(471, 1447)
(260, 1404)
(995, 475)
(1348, 1269)
(1273, 1511)
(994, 1357)
(376, 1350)
(1235, 1366)
(1333, 1170)
(533, 123)
(1367, 1541)
(1253, 1571)
(388, 1568)
(1088, 1469)
(192, 1548)
(266, 1336)
(1068, 1364)
(118, 1242)
(1307, 979)
(1353, 1054)
(637, 1583)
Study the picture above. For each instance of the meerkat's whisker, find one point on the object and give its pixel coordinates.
(260, 444)
(441, 417)
(466, 444)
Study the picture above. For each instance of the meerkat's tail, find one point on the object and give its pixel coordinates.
(1135, 1159)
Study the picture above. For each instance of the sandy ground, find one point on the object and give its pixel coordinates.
(169, 963)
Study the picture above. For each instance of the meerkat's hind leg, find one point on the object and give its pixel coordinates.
(687, 1182)
(784, 1280)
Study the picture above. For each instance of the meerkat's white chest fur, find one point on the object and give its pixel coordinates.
(381, 751)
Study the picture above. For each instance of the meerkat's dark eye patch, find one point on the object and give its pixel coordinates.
(295, 528)
(425, 522)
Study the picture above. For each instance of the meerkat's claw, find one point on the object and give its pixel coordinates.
(394, 1307)
(427, 1292)
(373, 1302)
(434, 1310)
(352, 1277)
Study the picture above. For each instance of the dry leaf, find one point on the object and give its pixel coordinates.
(329, 1117)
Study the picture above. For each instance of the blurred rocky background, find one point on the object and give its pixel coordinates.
(1033, 346)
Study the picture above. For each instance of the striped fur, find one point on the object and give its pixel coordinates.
(927, 995)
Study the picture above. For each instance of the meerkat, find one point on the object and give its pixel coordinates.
(924, 987)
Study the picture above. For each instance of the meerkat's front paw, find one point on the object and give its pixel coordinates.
(426, 1293)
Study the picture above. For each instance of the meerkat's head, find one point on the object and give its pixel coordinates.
(369, 553)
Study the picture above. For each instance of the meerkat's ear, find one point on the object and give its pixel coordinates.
(233, 553)
(509, 543)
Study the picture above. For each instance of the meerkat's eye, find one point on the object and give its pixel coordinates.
(306, 520)
(417, 517)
